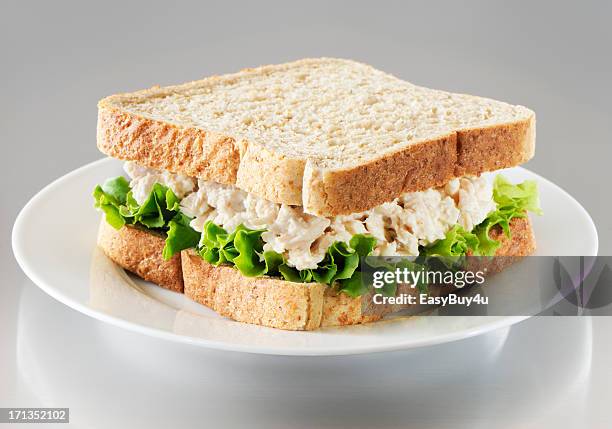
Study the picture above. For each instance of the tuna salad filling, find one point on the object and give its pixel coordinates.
(399, 227)
(228, 225)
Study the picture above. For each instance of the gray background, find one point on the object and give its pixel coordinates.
(59, 58)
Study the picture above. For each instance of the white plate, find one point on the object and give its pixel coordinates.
(54, 242)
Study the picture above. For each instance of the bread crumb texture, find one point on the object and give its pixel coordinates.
(332, 135)
(336, 111)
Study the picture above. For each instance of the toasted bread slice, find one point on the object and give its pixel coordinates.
(334, 136)
(302, 306)
(140, 251)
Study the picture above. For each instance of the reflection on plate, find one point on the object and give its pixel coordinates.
(176, 386)
(65, 263)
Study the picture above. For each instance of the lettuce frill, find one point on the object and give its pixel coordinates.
(159, 212)
(243, 248)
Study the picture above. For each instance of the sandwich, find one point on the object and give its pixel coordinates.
(259, 193)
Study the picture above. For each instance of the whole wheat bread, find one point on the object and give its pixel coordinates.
(140, 252)
(260, 300)
(303, 306)
(332, 135)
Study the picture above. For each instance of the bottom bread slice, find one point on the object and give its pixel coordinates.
(140, 251)
(303, 306)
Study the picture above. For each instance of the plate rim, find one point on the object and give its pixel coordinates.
(54, 292)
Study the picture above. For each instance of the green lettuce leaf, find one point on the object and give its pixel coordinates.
(243, 248)
(362, 244)
(216, 245)
(521, 197)
(293, 275)
(249, 245)
(273, 262)
(513, 201)
(353, 284)
(110, 197)
(339, 265)
(109, 207)
(160, 212)
(456, 243)
(180, 236)
(117, 189)
(344, 258)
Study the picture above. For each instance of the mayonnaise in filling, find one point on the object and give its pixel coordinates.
(144, 178)
(400, 226)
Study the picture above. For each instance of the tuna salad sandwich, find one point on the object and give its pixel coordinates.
(257, 193)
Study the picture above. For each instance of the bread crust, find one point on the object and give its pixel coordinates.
(258, 300)
(163, 146)
(496, 147)
(325, 192)
(352, 190)
(418, 167)
(305, 306)
(140, 252)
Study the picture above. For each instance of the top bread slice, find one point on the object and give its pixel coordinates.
(332, 135)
